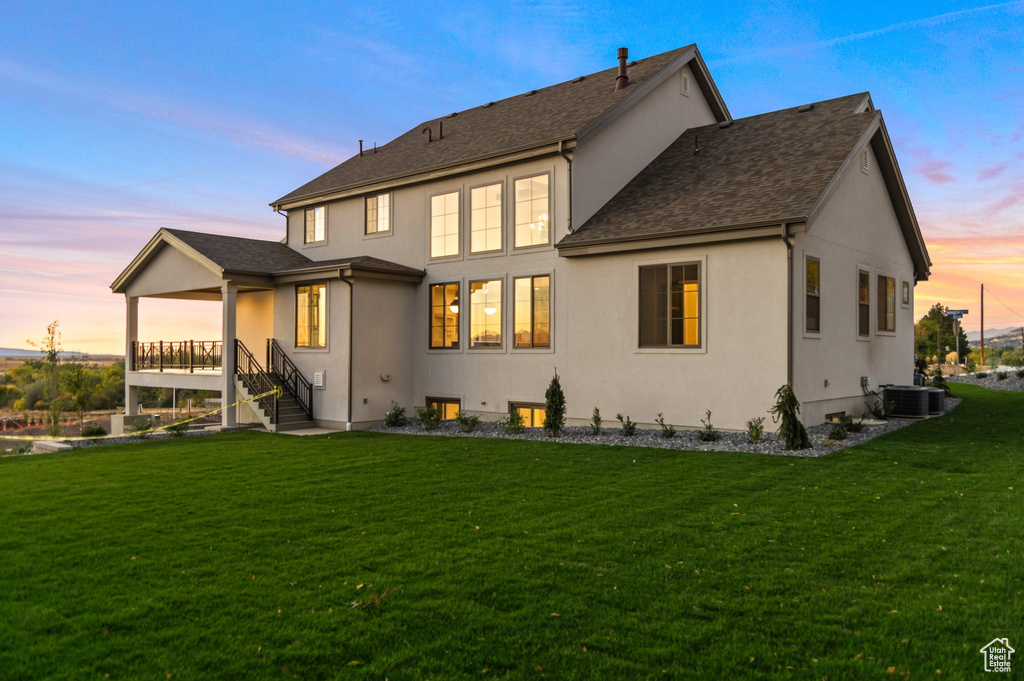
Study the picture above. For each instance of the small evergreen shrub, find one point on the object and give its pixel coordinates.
(755, 429)
(94, 431)
(1000, 375)
(1020, 373)
(395, 416)
(787, 408)
(850, 425)
(554, 408)
(666, 430)
(176, 429)
(708, 432)
(881, 410)
(838, 431)
(982, 374)
(628, 427)
(513, 423)
(595, 422)
(939, 382)
(428, 417)
(970, 365)
(466, 423)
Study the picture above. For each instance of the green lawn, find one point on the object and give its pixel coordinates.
(239, 556)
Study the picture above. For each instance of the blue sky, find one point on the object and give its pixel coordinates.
(120, 118)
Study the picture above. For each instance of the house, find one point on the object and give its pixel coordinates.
(620, 227)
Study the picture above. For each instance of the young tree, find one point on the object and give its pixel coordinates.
(554, 408)
(50, 347)
(934, 331)
(80, 385)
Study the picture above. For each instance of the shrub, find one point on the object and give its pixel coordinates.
(554, 408)
(466, 423)
(787, 408)
(395, 416)
(628, 427)
(838, 431)
(938, 381)
(755, 428)
(176, 429)
(513, 423)
(1020, 373)
(1001, 375)
(970, 365)
(94, 431)
(708, 432)
(428, 417)
(982, 374)
(850, 425)
(666, 430)
(595, 422)
(24, 449)
(881, 409)
(142, 429)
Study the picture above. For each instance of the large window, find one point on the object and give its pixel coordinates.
(444, 315)
(485, 219)
(444, 225)
(670, 306)
(378, 214)
(863, 303)
(886, 303)
(446, 408)
(532, 318)
(813, 304)
(533, 414)
(532, 211)
(316, 224)
(485, 314)
(311, 316)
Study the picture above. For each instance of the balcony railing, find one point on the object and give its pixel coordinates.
(188, 355)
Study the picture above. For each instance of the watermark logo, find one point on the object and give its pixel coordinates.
(997, 654)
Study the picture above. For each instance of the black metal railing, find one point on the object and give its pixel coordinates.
(189, 355)
(293, 380)
(256, 380)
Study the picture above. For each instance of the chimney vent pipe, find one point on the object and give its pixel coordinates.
(360, 147)
(622, 80)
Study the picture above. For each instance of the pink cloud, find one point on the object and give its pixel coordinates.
(992, 171)
(935, 171)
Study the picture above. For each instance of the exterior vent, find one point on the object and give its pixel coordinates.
(579, 80)
(936, 400)
(805, 108)
(452, 114)
(910, 401)
(725, 124)
(488, 105)
(684, 84)
(864, 161)
(530, 93)
(318, 379)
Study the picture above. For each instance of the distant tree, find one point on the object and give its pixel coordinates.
(554, 408)
(50, 347)
(79, 384)
(934, 331)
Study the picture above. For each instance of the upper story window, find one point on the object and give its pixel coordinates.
(532, 318)
(813, 305)
(316, 224)
(533, 210)
(485, 219)
(444, 316)
(444, 225)
(485, 314)
(311, 316)
(670, 306)
(906, 293)
(886, 303)
(378, 214)
(863, 303)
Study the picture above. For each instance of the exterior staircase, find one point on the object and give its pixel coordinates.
(277, 412)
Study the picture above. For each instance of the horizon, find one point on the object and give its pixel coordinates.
(217, 113)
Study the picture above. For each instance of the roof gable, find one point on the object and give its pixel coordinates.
(545, 116)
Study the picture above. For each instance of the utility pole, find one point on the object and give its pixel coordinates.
(983, 326)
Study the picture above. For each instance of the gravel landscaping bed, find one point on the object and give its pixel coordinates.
(684, 440)
(1011, 382)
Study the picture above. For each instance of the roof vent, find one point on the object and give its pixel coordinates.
(488, 105)
(452, 114)
(805, 108)
(725, 124)
(530, 93)
(864, 161)
(622, 80)
(579, 80)
(631, 64)
(684, 84)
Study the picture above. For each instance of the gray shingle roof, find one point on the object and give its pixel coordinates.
(550, 114)
(257, 256)
(758, 170)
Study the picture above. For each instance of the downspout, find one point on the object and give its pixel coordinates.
(351, 295)
(568, 165)
(285, 216)
(789, 304)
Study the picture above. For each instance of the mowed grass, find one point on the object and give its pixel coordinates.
(240, 556)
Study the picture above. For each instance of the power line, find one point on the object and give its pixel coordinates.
(1019, 315)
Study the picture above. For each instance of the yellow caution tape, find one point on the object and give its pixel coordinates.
(275, 391)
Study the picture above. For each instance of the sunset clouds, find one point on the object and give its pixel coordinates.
(117, 119)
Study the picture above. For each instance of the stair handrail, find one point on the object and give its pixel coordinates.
(293, 380)
(255, 379)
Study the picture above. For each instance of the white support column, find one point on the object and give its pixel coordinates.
(131, 392)
(229, 295)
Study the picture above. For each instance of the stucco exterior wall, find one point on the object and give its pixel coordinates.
(856, 230)
(255, 321)
(171, 272)
(603, 164)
